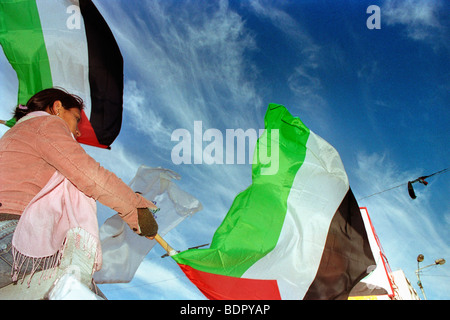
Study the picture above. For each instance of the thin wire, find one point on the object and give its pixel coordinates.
(439, 172)
(400, 185)
(382, 191)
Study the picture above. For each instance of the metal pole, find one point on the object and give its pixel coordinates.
(420, 282)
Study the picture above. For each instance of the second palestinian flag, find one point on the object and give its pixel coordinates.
(296, 233)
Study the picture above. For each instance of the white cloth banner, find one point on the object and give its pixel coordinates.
(123, 250)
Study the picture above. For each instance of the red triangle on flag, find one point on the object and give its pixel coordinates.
(88, 135)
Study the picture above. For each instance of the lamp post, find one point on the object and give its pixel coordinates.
(420, 258)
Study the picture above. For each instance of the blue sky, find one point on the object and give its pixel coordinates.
(379, 96)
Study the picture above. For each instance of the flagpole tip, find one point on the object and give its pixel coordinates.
(170, 251)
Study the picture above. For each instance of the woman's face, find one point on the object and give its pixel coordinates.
(71, 116)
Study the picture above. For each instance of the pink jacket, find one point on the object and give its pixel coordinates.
(34, 149)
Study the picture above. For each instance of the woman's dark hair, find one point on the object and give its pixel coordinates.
(45, 98)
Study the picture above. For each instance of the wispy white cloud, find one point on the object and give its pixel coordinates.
(368, 71)
(144, 119)
(420, 17)
(412, 12)
(291, 28)
(188, 60)
(304, 81)
(306, 84)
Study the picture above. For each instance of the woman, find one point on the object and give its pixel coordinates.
(41, 145)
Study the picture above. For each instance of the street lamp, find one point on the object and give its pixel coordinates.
(420, 258)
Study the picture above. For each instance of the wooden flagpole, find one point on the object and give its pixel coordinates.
(170, 251)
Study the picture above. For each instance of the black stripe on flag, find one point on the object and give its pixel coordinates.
(105, 75)
(347, 254)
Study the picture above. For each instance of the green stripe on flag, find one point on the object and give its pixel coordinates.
(23, 43)
(253, 224)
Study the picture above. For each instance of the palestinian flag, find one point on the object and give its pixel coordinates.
(66, 44)
(295, 233)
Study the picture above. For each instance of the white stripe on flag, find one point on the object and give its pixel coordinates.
(66, 48)
(317, 191)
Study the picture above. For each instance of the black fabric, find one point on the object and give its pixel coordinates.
(347, 255)
(105, 75)
(411, 192)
